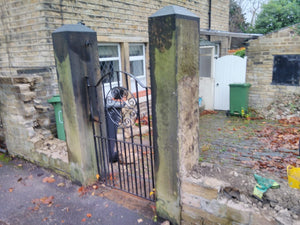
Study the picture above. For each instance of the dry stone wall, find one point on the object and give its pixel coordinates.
(260, 52)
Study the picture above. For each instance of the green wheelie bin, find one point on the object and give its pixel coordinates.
(55, 101)
(239, 99)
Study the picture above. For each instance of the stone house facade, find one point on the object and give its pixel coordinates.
(27, 67)
(273, 71)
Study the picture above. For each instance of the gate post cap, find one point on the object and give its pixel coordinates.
(173, 10)
(73, 28)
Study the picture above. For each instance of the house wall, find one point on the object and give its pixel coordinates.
(260, 53)
(26, 51)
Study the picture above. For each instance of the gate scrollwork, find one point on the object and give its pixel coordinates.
(121, 107)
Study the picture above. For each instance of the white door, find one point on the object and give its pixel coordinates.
(206, 81)
(229, 69)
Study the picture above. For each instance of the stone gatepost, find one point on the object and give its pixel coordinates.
(174, 68)
(76, 56)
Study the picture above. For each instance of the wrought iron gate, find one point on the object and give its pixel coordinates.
(120, 109)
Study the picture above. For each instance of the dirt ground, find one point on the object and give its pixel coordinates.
(266, 146)
(233, 149)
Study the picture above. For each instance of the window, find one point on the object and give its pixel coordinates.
(137, 60)
(217, 50)
(206, 57)
(286, 70)
(110, 60)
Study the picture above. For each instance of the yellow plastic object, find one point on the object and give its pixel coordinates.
(293, 174)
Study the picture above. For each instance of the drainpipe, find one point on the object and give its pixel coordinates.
(209, 17)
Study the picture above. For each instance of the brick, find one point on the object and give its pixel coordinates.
(29, 110)
(207, 193)
(27, 96)
(191, 215)
(21, 88)
(6, 80)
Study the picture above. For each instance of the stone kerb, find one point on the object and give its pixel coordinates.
(174, 71)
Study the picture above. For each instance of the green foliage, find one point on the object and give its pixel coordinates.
(236, 18)
(240, 53)
(4, 158)
(277, 14)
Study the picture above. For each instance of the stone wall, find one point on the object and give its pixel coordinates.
(218, 195)
(27, 121)
(260, 53)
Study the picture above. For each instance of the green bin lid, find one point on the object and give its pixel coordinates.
(240, 85)
(54, 99)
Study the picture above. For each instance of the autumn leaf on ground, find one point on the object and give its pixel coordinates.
(10, 190)
(47, 200)
(83, 220)
(82, 191)
(140, 220)
(48, 180)
(88, 215)
(0, 165)
(61, 185)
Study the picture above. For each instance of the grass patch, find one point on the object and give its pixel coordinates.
(4, 158)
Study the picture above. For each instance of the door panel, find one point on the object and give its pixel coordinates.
(229, 69)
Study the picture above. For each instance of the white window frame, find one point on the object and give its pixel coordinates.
(140, 57)
(212, 55)
(112, 58)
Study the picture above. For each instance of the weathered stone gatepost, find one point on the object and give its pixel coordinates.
(75, 51)
(174, 66)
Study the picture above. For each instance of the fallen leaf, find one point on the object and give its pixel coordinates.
(30, 177)
(98, 176)
(20, 165)
(62, 221)
(95, 186)
(45, 219)
(48, 180)
(83, 220)
(82, 191)
(19, 179)
(61, 185)
(0, 165)
(88, 215)
(140, 220)
(47, 200)
(11, 190)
